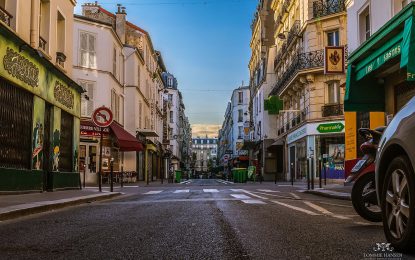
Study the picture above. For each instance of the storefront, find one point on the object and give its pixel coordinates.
(308, 145)
(380, 79)
(39, 120)
(115, 141)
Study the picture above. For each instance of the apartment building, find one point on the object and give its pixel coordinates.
(40, 103)
(310, 125)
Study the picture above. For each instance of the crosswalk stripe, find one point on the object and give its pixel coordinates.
(268, 190)
(253, 202)
(181, 191)
(240, 196)
(295, 195)
(210, 190)
(250, 193)
(296, 208)
(153, 192)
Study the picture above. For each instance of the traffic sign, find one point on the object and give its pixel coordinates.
(102, 117)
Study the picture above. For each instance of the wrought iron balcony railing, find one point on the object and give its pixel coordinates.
(42, 43)
(323, 8)
(5, 16)
(332, 110)
(293, 33)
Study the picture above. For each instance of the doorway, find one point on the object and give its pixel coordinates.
(88, 162)
(292, 165)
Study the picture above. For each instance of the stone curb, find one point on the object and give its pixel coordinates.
(43, 206)
(330, 194)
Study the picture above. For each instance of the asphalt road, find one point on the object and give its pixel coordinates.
(203, 219)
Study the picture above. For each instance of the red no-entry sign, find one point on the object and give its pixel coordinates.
(102, 117)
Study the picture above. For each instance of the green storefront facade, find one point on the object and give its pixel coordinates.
(39, 120)
(381, 72)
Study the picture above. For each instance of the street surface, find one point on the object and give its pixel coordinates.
(200, 219)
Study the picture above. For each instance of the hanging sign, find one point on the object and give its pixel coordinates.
(334, 60)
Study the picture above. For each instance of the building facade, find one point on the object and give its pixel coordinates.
(143, 89)
(262, 79)
(40, 103)
(235, 129)
(204, 153)
(310, 125)
(380, 72)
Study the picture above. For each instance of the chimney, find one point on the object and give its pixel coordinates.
(120, 20)
(90, 9)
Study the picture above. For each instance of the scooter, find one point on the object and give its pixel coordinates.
(362, 177)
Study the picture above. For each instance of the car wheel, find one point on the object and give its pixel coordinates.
(398, 198)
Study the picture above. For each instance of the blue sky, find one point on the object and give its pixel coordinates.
(204, 43)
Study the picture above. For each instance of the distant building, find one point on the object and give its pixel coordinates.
(204, 153)
(234, 129)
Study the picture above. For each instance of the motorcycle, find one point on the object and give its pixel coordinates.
(362, 177)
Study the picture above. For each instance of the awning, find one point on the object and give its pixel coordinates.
(147, 133)
(389, 50)
(126, 141)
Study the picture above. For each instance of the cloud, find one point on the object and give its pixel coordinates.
(201, 130)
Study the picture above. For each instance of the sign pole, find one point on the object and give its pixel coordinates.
(100, 161)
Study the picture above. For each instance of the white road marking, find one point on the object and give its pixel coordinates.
(181, 191)
(210, 190)
(186, 182)
(324, 211)
(275, 195)
(269, 190)
(240, 196)
(130, 186)
(288, 185)
(250, 193)
(237, 190)
(334, 204)
(296, 208)
(253, 202)
(153, 192)
(295, 195)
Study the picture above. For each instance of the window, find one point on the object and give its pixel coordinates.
(240, 97)
(114, 62)
(122, 110)
(171, 117)
(333, 92)
(240, 115)
(364, 25)
(44, 18)
(87, 101)
(240, 132)
(333, 38)
(260, 103)
(170, 97)
(60, 39)
(87, 50)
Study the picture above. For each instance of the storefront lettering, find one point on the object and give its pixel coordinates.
(21, 68)
(330, 128)
(63, 95)
(296, 135)
(379, 61)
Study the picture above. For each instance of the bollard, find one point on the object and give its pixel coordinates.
(292, 174)
(325, 172)
(308, 175)
(111, 175)
(319, 173)
(84, 174)
(122, 176)
(312, 173)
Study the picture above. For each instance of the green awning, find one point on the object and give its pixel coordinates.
(392, 44)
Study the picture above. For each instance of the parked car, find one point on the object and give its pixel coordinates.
(395, 178)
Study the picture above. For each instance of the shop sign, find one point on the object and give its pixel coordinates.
(390, 53)
(63, 95)
(93, 131)
(334, 60)
(330, 128)
(297, 134)
(21, 68)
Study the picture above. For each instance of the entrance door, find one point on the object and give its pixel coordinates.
(292, 165)
(88, 162)
(47, 149)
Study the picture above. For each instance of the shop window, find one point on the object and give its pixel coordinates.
(333, 38)
(364, 25)
(66, 142)
(87, 50)
(16, 125)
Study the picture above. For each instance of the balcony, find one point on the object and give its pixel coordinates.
(42, 44)
(324, 8)
(293, 33)
(60, 59)
(332, 110)
(5, 16)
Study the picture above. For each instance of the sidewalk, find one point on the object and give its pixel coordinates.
(335, 191)
(13, 206)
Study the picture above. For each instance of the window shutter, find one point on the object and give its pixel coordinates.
(92, 50)
(83, 49)
(90, 92)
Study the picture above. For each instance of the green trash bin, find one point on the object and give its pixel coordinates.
(244, 174)
(178, 176)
